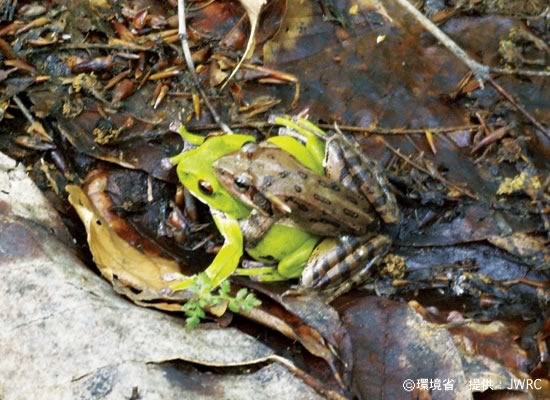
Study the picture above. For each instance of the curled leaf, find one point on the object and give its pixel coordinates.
(116, 258)
(253, 8)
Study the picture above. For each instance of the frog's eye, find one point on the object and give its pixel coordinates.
(249, 147)
(205, 187)
(243, 182)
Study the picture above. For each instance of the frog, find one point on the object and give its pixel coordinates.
(307, 205)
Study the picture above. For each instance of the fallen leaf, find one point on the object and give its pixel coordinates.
(393, 345)
(115, 257)
(253, 8)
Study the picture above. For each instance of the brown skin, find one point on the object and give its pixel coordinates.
(273, 182)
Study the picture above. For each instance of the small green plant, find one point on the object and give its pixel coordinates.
(204, 296)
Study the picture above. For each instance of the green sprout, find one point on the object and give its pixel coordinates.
(204, 296)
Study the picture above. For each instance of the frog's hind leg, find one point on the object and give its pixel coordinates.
(345, 162)
(331, 294)
(340, 269)
(328, 254)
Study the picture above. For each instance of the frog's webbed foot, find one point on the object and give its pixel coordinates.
(345, 263)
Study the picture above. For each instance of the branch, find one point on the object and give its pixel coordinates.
(191, 66)
(519, 107)
(481, 71)
(353, 129)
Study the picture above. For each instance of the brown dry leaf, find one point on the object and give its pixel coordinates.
(312, 322)
(393, 344)
(38, 129)
(490, 353)
(253, 8)
(115, 257)
(131, 150)
(492, 340)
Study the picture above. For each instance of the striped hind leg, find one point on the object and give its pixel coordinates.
(345, 162)
(344, 263)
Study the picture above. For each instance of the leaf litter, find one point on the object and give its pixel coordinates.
(472, 179)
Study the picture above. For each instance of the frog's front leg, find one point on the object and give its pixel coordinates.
(228, 258)
(339, 264)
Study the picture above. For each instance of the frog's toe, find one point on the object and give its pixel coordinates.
(297, 291)
(261, 274)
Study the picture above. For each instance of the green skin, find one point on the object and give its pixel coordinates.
(195, 166)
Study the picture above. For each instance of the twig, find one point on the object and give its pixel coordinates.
(419, 167)
(518, 106)
(351, 128)
(202, 5)
(191, 65)
(481, 71)
(400, 131)
(24, 109)
(516, 71)
(36, 126)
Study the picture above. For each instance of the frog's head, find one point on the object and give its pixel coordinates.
(196, 173)
(234, 174)
(249, 173)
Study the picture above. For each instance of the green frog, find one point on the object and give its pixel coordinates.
(307, 205)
